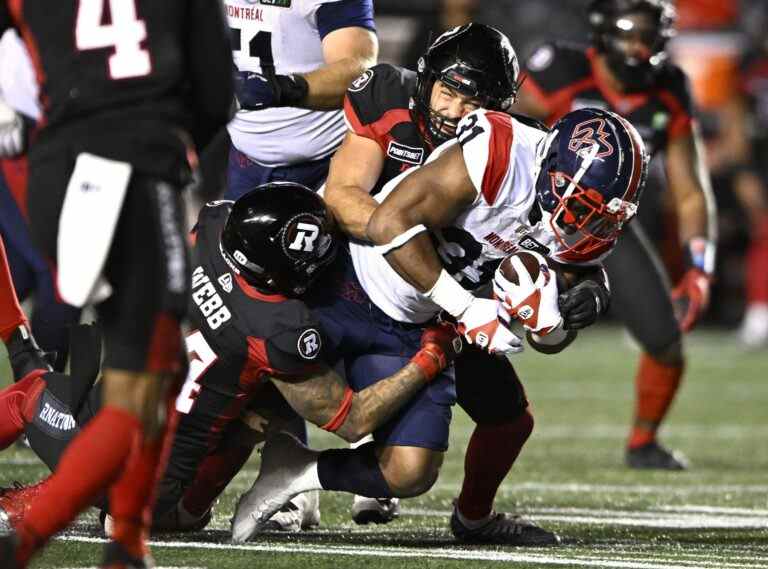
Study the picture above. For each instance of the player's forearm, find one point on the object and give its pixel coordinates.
(352, 209)
(376, 404)
(328, 84)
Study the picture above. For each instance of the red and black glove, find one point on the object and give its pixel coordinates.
(690, 298)
(440, 345)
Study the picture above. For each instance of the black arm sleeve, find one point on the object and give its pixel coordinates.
(209, 67)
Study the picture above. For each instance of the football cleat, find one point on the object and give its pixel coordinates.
(9, 546)
(285, 462)
(25, 355)
(653, 456)
(116, 557)
(302, 512)
(503, 529)
(15, 502)
(375, 510)
(753, 332)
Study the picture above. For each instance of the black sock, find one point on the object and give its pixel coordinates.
(353, 470)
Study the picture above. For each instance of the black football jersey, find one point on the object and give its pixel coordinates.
(563, 77)
(376, 106)
(128, 66)
(247, 334)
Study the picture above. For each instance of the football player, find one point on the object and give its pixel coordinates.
(396, 118)
(32, 275)
(294, 62)
(126, 89)
(477, 198)
(627, 70)
(255, 346)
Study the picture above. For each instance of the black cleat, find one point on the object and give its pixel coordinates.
(9, 545)
(116, 557)
(504, 529)
(25, 355)
(653, 456)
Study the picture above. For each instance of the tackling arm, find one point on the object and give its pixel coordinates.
(325, 398)
(355, 168)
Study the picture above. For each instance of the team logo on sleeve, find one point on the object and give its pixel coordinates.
(309, 344)
(360, 83)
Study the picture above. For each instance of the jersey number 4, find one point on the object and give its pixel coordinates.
(201, 357)
(124, 34)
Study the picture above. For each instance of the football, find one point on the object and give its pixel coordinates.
(540, 271)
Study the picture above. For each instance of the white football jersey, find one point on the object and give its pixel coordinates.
(18, 83)
(500, 155)
(267, 33)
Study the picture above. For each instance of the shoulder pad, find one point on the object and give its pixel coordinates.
(674, 80)
(553, 66)
(379, 89)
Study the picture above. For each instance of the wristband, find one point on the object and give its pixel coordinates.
(401, 239)
(449, 295)
(430, 361)
(341, 415)
(292, 90)
(700, 253)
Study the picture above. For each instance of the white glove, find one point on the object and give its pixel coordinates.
(480, 324)
(533, 303)
(12, 132)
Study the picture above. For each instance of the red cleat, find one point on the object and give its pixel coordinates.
(15, 502)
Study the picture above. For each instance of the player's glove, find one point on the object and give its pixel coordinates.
(480, 324)
(440, 345)
(581, 305)
(13, 132)
(255, 91)
(690, 298)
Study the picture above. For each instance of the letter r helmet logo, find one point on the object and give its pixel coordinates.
(306, 234)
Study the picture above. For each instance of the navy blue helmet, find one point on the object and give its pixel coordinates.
(278, 237)
(592, 169)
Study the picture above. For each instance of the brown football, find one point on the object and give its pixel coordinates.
(533, 267)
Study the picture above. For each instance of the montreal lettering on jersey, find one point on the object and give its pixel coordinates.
(245, 13)
(208, 300)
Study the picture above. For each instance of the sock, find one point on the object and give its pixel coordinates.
(18, 402)
(216, 471)
(11, 314)
(757, 264)
(491, 452)
(93, 461)
(131, 495)
(352, 470)
(656, 385)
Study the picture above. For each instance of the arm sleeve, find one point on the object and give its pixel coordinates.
(369, 98)
(209, 66)
(333, 16)
(297, 351)
(677, 97)
(486, 144)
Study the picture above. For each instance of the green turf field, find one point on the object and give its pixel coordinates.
(570, 477)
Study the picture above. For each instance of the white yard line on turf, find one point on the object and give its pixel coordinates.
(648, 562)
(685, 517)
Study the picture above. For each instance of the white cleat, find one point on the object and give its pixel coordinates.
(288, 468)
(375, 510)
(300, 513)
(753, 332)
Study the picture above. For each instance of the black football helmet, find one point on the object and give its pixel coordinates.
(477, 61)
(591, 170)
(610, 28)
(277, 237)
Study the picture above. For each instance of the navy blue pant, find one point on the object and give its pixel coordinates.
(372, 346)
(243, 174)
(51, 318)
